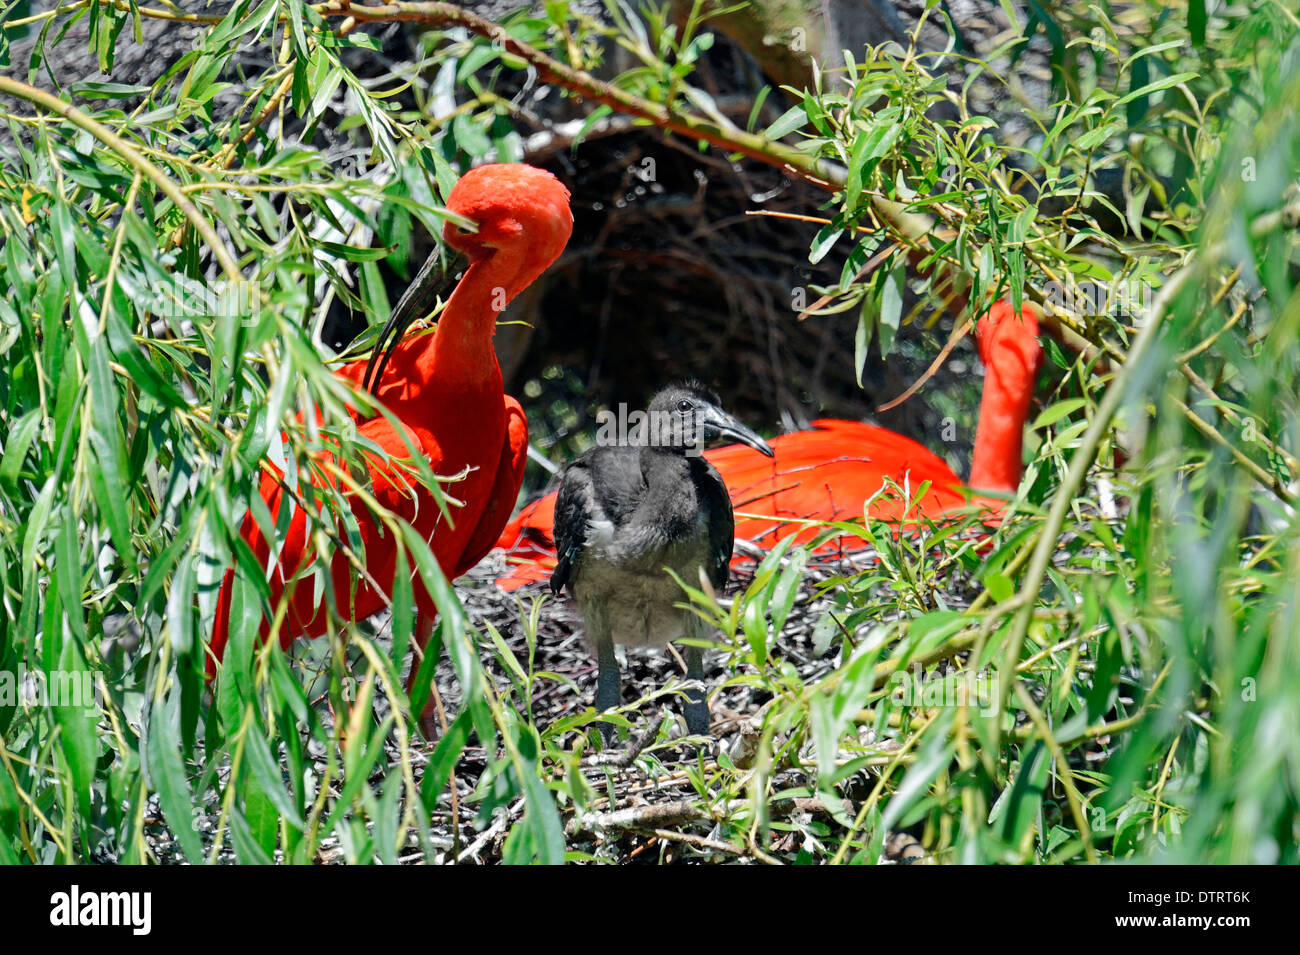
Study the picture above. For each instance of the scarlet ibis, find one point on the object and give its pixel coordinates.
(445, 389)
(625, 513)
(829, 472)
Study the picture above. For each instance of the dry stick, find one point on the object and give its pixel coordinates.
(872, 264)
(659, 815)
(225, 157)
(491, 832)
(624, 758)
(134, 158)
(959, 331)
(709, 845)
(699, 842)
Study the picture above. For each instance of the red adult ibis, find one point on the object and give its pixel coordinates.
(445, 389)
(829, 472)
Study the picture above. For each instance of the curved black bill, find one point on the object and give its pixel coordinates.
(434, 278)
(718, 425)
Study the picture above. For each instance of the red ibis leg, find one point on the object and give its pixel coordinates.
(501, 501)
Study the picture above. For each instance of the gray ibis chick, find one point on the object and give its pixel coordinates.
(625, 513)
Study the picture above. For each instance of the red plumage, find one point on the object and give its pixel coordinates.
(445, 389)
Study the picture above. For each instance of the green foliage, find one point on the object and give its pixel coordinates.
(1135, 690)
(142, 390)
(1132, 668)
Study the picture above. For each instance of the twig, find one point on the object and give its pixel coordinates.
(492, 831)
(651, 816)
(625, 757)
(657, 815)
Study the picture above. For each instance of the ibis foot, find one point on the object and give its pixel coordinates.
(429, 727)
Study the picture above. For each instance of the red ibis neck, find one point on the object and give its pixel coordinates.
(462, 355)
(1004, 407)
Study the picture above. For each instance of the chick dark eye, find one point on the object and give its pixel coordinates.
(684, 405)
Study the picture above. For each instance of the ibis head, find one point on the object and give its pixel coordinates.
(688, 417)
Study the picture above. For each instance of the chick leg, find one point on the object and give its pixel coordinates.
(608, 680)
(696, 709)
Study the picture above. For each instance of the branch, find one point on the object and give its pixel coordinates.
(792, 161)
(134, 159)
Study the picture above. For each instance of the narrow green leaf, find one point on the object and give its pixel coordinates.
(891, 308)
(166, 774)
